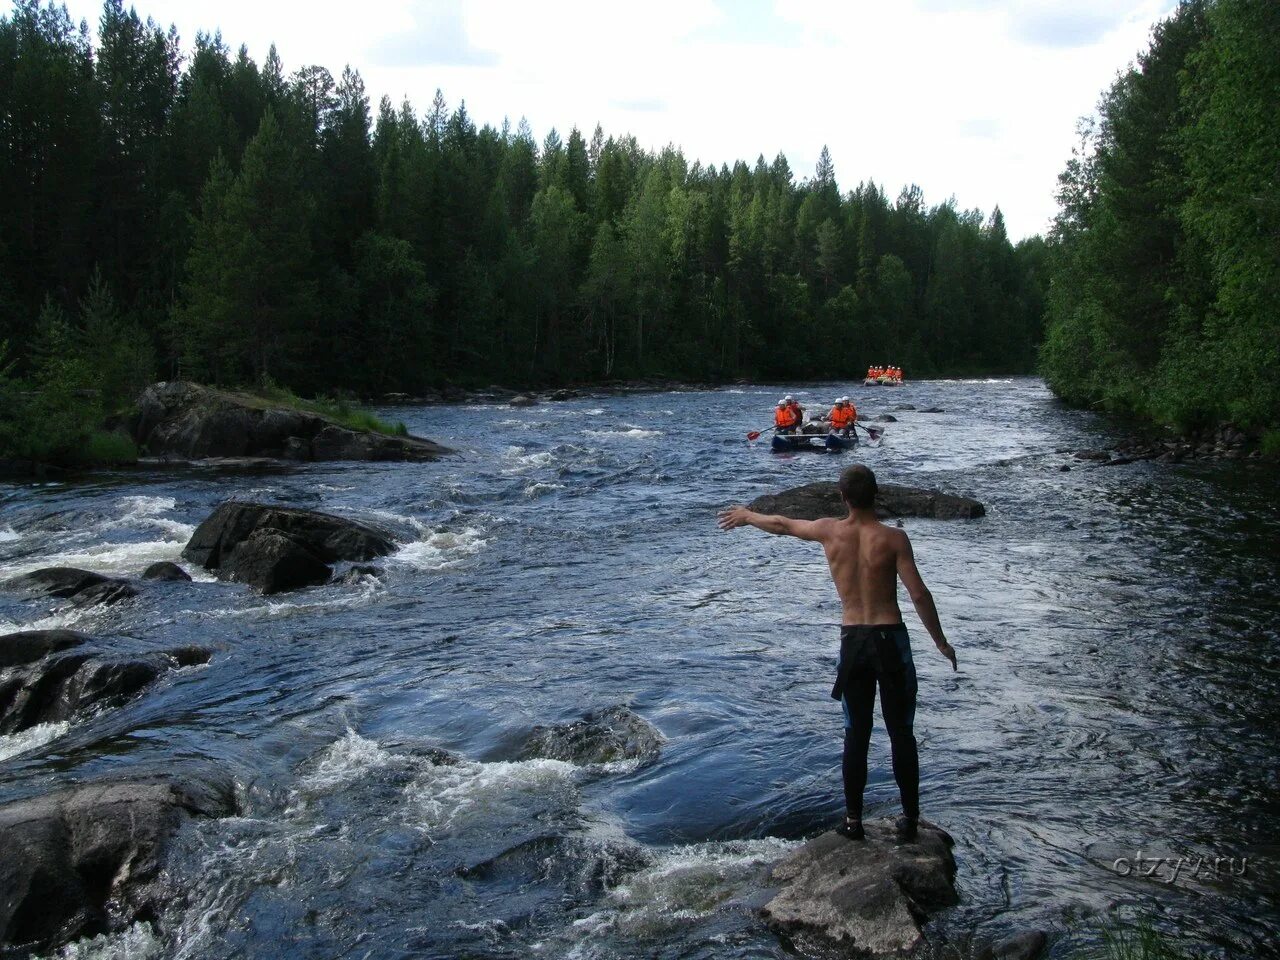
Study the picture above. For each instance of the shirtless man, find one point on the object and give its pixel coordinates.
(866, 559)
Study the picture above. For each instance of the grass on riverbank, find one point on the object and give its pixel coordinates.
(1139, 941)
(338, 409)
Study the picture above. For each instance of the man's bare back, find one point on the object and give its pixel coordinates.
(866, 559)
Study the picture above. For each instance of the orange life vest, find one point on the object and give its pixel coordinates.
(841, 417)
(786, 417)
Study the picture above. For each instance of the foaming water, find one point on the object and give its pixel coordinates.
(1117, 690)
(32, 738)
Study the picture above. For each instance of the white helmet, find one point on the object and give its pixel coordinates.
(787, 397)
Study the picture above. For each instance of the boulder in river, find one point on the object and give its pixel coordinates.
(81, 587)
(55, 675)
(31, 645)
(89, 859)
(328, 537)
(280, 548)
(866, 896)
(164, 570)
(188, 421)
(274, 562)
(816, 500)
(522, 401)
(600, 736)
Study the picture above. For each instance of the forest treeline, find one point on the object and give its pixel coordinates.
(1165, 296)
(201, 215)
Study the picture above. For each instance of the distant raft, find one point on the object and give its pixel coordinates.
(882, 382)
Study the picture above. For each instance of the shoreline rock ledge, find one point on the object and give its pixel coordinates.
(176, 419)
(866, 896)
(813, 501)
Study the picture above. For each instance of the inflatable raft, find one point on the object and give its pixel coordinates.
(821, 442)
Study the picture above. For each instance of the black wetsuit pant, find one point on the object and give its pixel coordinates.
(871, 656)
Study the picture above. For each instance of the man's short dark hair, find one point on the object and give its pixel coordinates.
(858, 487)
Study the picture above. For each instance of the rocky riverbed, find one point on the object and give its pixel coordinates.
(528, 700)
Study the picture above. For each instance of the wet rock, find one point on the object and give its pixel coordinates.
(359, 572)
(1096, 455)
(522, 401)
(104, 594)
(165, 570)
(866, 896)
(816, 500)
(82, 588)
(933, 410)
(558, 396)
(57, 581)
(905, 407)
(340, 443)
(888, 418)
(55, 675)
(186, 420)
(323, 535)
(89, 859)
(274, 562)
(29, 646)
(1064, 468)
(1028, 945)
(601, 736)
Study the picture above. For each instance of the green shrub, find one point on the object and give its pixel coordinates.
(107, 448)
(1271, 443)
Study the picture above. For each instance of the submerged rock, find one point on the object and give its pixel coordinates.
(816, 500)
(54, 675)
(1028, 945)
(89, 859)
(186, 420)
(601, 736)
(868, 896)
(82, 588)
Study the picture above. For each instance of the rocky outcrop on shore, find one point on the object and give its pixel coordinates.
(47, 676)
(814, 501)
(1224, 442)
(864, 896)
(89, 859)
(189, 421)
(280, 548)
(600, 736)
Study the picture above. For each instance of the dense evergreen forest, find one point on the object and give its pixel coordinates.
(1165, 296)
(200, 215)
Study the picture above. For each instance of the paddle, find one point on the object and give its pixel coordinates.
(873, 433)
(755, 434)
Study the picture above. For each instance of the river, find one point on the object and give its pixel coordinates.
(1119, 669)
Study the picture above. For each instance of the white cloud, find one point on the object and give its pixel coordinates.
(972, 98)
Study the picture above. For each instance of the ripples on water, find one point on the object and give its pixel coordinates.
(1116, 630)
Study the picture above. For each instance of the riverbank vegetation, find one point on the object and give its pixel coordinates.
(250, 225)
(1165, 296)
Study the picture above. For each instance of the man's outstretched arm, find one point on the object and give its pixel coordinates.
(922, 599)
(736, 517)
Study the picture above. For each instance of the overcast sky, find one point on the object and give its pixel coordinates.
(972, 98)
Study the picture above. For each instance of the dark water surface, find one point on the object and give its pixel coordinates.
(1116, 628)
